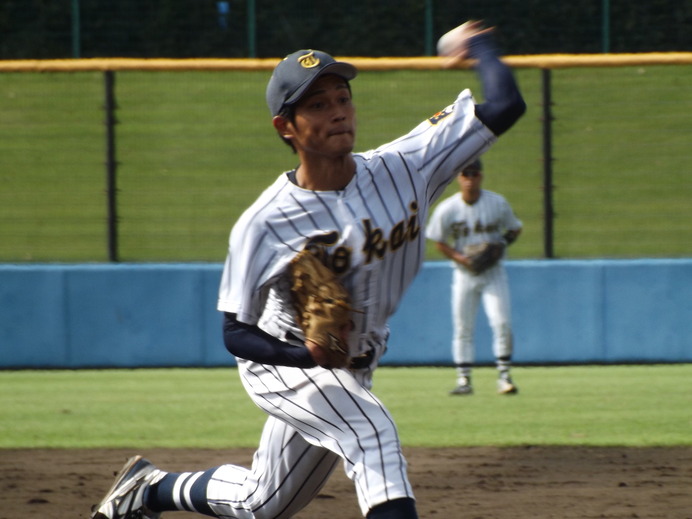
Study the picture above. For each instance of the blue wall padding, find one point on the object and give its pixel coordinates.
(146, 315)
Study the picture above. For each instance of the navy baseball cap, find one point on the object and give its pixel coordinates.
(476, 165)
(297, 71)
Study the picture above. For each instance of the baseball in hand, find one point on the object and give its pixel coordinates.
(453, 44)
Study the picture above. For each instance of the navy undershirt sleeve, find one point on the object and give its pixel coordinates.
(249, 342)
(503, 104)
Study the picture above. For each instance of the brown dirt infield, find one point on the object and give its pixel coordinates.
(450, 483)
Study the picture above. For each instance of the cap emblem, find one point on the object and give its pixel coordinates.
(309, 60)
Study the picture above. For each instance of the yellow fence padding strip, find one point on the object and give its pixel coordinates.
(548, 61)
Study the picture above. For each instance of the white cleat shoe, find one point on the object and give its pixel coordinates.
(464, 387)
(505, 386)
(125, 499)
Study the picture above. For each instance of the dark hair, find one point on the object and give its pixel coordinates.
(288, 112)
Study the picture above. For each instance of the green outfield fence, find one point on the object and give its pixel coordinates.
(154, 159)
(34, 29)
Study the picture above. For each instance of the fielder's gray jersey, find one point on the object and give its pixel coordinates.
(372, 229)
(485, 220)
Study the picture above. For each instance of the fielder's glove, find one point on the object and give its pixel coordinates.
(482, 256)
(323, 307)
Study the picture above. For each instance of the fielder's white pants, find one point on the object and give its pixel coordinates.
(317, 418)
(468, 291)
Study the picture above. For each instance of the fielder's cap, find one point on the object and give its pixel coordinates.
(476, 165)
(297, 71)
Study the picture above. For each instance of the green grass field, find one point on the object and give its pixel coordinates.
(632, 406)
(195, 148)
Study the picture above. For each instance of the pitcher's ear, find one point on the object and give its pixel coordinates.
(281, 123)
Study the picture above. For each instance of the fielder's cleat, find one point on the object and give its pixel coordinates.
(125, 499)
(463, 387)
(505, 386)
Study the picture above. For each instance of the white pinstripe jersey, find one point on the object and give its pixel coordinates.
(372, 230)
(464, 224)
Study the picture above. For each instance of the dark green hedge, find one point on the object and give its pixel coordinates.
(34, 29)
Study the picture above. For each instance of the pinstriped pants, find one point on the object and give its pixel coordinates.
(468, 291)
(317, 418)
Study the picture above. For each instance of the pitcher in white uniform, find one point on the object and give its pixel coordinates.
(476, 215)
(366, 212)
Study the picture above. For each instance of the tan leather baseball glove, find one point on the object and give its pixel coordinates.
(323, 307)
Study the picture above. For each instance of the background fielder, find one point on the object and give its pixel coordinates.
(471, 217)
(364, 213)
